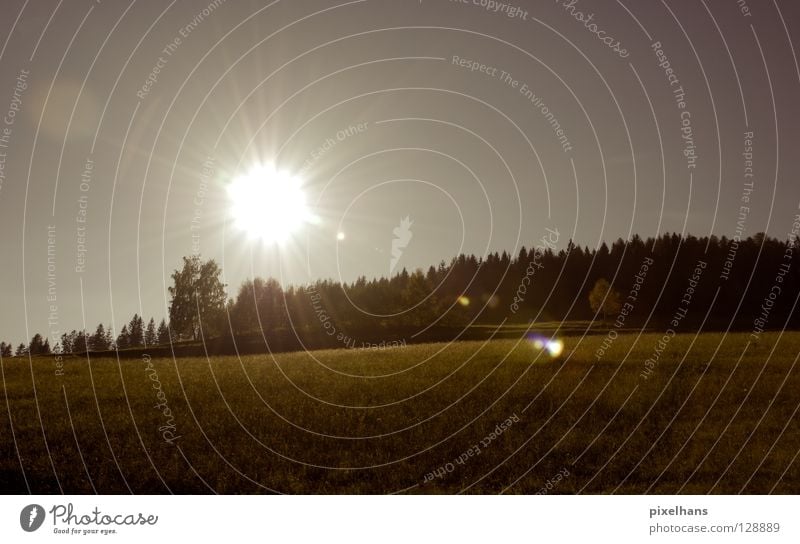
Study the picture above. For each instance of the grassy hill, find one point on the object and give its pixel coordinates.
(720, 419)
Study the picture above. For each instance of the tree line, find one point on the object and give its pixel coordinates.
(738, 286)
(646, 279)
(133, 335)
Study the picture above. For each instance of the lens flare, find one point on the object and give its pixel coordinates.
(492, 301)
(553, 346)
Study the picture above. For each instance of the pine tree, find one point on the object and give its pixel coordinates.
(136, 332)
(150, 336)
(21, 350)
(36, 346)
(163, 333)
(123, 340)
(98, 341)
(81, 342)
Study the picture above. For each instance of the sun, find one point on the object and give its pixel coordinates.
(269, 204)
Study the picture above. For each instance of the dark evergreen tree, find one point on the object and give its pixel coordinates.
(136, 332)
(99, 340)
(123, 340)
(109, 338)
(36, 345)
(163, 333)
(150, 335)
(81, 342)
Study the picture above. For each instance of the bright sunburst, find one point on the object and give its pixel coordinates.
(269, 204)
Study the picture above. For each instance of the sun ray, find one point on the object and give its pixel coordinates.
(269, 204)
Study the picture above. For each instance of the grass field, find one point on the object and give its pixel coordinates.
(419, 419)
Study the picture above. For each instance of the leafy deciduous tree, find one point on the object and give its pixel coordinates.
(197, 298)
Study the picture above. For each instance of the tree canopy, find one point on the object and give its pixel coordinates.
(197, 303)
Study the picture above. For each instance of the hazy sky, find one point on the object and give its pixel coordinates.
(123, 124)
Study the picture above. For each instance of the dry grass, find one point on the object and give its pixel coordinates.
(351, 421)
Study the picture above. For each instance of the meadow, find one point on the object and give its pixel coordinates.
(715, 414)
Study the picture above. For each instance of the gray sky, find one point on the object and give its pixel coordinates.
(473, 158)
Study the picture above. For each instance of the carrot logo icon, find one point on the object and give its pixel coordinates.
(31, 518)
(402, 236)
